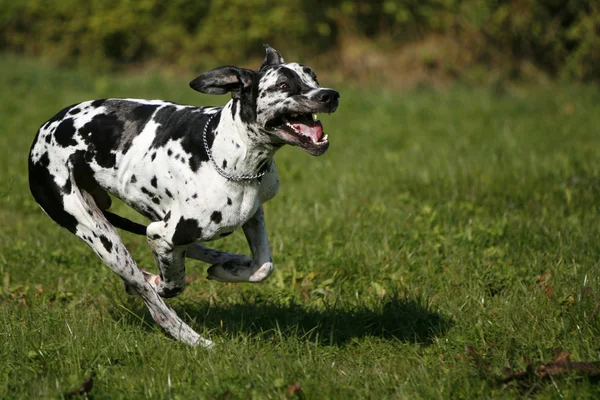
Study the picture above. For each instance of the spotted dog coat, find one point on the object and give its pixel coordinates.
(198, 173)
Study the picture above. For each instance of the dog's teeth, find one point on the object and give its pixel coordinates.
(315, 117)
(324, 139)
(292, 126)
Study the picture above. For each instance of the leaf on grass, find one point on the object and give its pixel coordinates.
(543, 278)
(192, 277)
(561, 365)
(295, 389)
(85, 388)
(226, 396)
(542, 281)
(479, 361)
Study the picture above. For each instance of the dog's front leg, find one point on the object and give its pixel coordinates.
(170, 260)
(205, 254)
(261, 265)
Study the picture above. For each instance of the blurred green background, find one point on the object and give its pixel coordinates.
(388, 42)
(456, 209)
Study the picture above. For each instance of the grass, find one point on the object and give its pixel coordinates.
(437, 220)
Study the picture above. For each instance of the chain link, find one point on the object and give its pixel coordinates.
(219, 170)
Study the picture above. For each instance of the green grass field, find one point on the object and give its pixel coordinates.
(436, 221)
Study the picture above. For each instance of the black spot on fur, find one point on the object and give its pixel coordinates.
(133, 179)
(147, 192)
(156, 200)
(167, 217)
(186, 126)
(148, 212)
(168, 193)
(224, 164)
(59, 116)
(171, 292)
(234, 107)
(195, 196)
(229, 202)
(98, 103)
(64, 133)
(137, 119)
(296, 86)
(142, 113)
(264, 167)
(154, 182)
(67, 187)
(106, 243)
(310, 72)
(166, 261)
(102, 135)
(74, 111)
(186, 231)
(153, 156)
(225, 234)
(169, 152)
(48, 194)
(216, 217)
(48, 138)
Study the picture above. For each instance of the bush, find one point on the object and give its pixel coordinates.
(557, 36)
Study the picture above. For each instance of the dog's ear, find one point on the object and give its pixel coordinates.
(272, 58)
(224, 79)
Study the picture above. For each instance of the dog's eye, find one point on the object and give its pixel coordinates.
(283, 85)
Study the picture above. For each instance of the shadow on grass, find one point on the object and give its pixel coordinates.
(396, 318)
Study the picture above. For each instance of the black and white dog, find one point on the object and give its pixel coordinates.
(198, 173)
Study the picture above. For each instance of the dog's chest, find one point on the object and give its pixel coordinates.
(220, 206)
(224, 207)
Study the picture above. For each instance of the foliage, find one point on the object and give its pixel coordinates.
(436, 220)
(558, 37)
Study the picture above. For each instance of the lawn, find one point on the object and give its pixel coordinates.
(437, 221)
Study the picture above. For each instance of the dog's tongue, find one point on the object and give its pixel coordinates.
(310, 128)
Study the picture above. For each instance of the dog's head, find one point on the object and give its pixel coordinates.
(282, 100)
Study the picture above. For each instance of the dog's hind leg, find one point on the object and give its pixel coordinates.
(95, 230)
(77, 211)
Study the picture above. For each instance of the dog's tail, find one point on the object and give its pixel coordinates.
(124, 223)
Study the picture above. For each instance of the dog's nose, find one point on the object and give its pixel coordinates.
(328, 96)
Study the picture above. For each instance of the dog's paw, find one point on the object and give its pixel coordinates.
(152, 279)
(261, 273)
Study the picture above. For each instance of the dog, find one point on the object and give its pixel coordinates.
(197, 173)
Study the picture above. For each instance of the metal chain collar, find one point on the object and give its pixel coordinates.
(219, 170)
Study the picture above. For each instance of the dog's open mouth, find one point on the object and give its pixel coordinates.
(303, 130)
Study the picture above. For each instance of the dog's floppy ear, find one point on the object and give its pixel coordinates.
(272, 58)
(224, 79)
